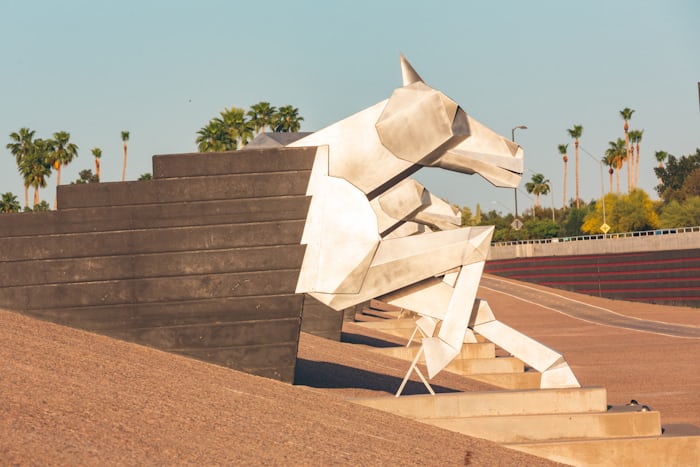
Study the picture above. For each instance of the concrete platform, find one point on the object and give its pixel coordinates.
(492, 403)
(545, 427)
(652, 451)
(469, 351)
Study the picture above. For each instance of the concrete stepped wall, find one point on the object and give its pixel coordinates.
(201, 261)
(669, 277)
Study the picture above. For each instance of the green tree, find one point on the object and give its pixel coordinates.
(214, 138)
(575, 133)
(125, 138)
(573, 221)
(541, 228)
(238, 128)
(466, 215)
(562, 151)
(681, 214)
(626, 115)
(9, 203)
(674, 174)
(538, 186)
(42, 206)
(261, 115)
(61, 153)
(97, 154)
(86, 176)
(287, 119)
(22, 143)
(145, 176)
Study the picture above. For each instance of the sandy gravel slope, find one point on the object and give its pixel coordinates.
(72, 398)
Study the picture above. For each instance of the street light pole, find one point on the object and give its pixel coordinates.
(512, 138)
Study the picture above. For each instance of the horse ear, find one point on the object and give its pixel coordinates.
(408, 74)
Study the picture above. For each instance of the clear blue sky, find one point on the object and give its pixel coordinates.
(162, 68)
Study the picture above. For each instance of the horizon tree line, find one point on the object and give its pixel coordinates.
(37, 158)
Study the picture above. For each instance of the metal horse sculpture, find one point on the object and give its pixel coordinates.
(369, 232)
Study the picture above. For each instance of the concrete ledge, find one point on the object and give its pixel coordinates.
(652, 451)
(484, 366)
(527, 380)
(244, 161)
(492, 403)
(469, 351)
(521, 428)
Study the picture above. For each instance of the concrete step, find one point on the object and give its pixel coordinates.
(158, 215)
(469, 351)
(492, 403)
(526, 380)
(130, 242)
(244, 161)
(99, 317)
(485, 366)
(633, 451)
(175, 190)
(115, 292)
(543, 427)
(100, 268)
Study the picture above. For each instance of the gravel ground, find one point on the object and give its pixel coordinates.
(69, 397)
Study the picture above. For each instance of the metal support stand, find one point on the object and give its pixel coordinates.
(415, 368)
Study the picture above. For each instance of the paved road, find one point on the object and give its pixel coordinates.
(586, 312)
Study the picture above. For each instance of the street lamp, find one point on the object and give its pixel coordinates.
(512, 138)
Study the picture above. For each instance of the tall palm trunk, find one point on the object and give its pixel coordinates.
(617, 174)
(566, 159)
(610, 171)
(124, 165)
(97, 168)
(36, 195)
(630, 167)
(636, 168)
(26, 196)
(627, 154)
(578, 201)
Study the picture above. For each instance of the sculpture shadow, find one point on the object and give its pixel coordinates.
(351, 338)
(328, 375)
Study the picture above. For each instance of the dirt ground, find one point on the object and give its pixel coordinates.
(69, 397)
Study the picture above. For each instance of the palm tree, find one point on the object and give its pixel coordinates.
(288, 119)
(37, 166)
(20, 147)
(214, 137)
(97, 154)
(575, 132)
(626, 115)
(616, 154)
(61, 153)
(562, 150)
(661, 156)
(637, 139)
(609, 160)
(261, 115)
(538, 186)
(125, 138)
(238, 128)
(9, 203)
